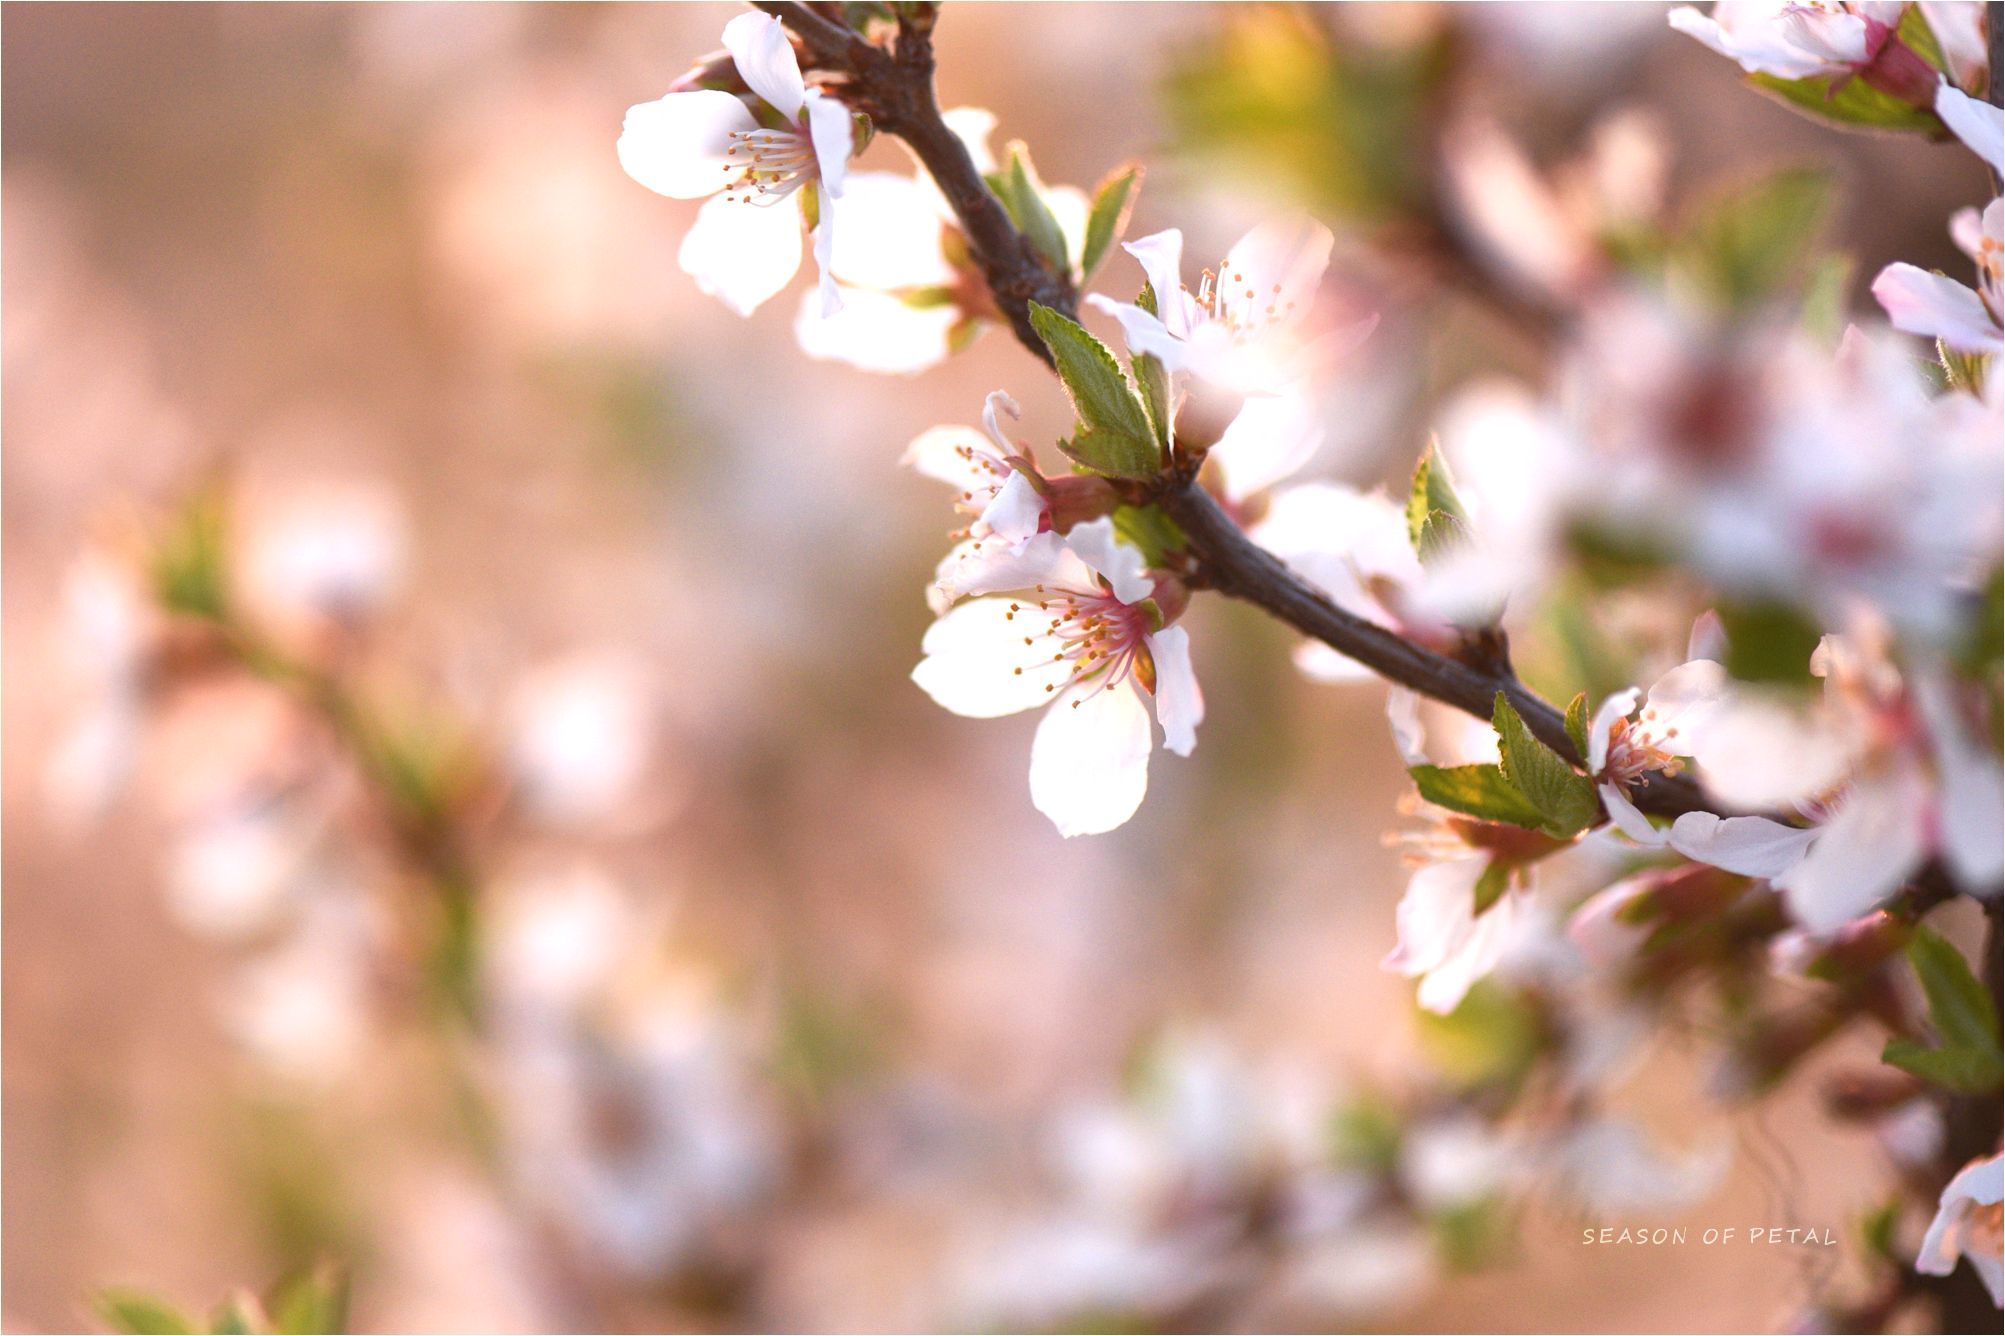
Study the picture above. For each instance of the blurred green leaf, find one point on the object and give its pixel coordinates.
(1115, 437)
(1768, 642)
(1752, 243)
(1476, 790)
(1022, 194)
(239, 1315)
(1564, 797)
(191, 559)
(1878, 1231)
(142, 1314)
(312, 1302)
(1113, 201)
(1963, 1015)
(1490, 887)
(1272, 99)
(1472, 1234)
(1826, 298)
(1856, 103)
(1492, 1039)
(1365, 1134)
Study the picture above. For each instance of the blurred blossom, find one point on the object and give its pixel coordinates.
(1942, 308)
(321, 552)
(582, 735)
(1548, 232)
(301, 1008)
(109, 634)
(1451, 1162)
(231, 869)
(1792, 40)
(1612, 1167)
(628, 1094)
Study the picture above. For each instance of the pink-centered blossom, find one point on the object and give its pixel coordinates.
(1086, 635)
(996, 487)
(746, 243)
(1242, 327)
(1967, 1226)
(1794, 39)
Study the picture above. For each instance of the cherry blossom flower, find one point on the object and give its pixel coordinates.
(1624, 745)
(1087, 634)
(686, 145)
(580, 737)
(1887, 768)
(1791, 39)
(1446, 938)
(1241, 329)
(1354, 547)
(321, 553)
(1940, 307)
(996, 486)
(1966, 1225)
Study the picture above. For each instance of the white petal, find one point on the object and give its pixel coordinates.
(742, 253)
(890, 236)
(1018, 510)
(1161, 255)
(1122, 566)
(1179, 702)
(1270, 439)
(973, 655)
(1280, 262)
(1628, 818)
(1435, 913)
(1971, 790)
(824, 237)
(1319, 663)
(1976, 122)
(875, 331)
(1752, 846)
(973, 126)
(1958, 26)
(1402, 712)
(1089, 764)
(1616, 708)
(675, 145)
(1144, 333)
(942, 453)
(830, 128)
(993, 566)
(765, 58)
(1937, 307)
(1861, 855)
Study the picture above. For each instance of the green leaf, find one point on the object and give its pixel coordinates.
(1490, 887)
(1962, 1013)
(1960, 1007)
(313, 1302)
(1878, 1230)
(1022, 194)
(1856, 104)
(1493, 1038)
(240, 1315)
(1576, 724)
(132, 1311)
(1750, 244)
(1915, 34)
(1116, 437)
(1768, 642)
(1964, 1071)
(1365, 1134)
(1476, 790)
(1564, 797)
(1113, 200)
(1153, 378)
(191, 560)
(1963, 371)
(1149, 531)
(1826, 297)
(1432, 493)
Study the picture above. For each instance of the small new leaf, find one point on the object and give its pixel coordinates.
(1115, 435)
(1022, 195)
(1576, 724)
(1491, 885)
(1431, 503)
(1854, 103)
(1476, 790)
(141, 1314)
(1113, 199)
(1564, 797)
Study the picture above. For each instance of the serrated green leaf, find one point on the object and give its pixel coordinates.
(141, 1314)
(1856, 104)
(1022, 195)
(1751, 243)
(1963, 1071)
(1116, 436)
(1576, 723)
(1113, 200)
(1432, 492)
(1476, 790)
(1564, 797)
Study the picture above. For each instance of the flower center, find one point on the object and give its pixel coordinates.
(1636, 748)
(1101, 639)
(1228, 299)
(768, 165)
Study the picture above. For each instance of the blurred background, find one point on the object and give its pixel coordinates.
(381, 259)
